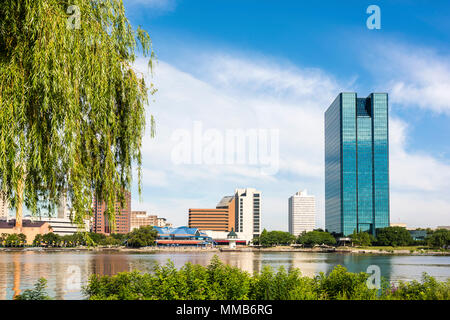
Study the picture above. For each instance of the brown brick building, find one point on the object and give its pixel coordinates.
(220, 219)
(141, 219)
(100, 223)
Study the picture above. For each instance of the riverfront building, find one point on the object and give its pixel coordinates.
(29, 228)
(141, 219)
(248, 212)
(357, 164)
(62, 223)
(182, 236)
(240, 213)
(100, 223)
(220, 219)
(302, 213)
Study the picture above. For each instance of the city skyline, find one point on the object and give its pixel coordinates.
(232, 76)
(235, 74)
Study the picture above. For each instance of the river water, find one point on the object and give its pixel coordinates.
(66, 271)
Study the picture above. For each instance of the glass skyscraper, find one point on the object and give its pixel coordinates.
(357, 164)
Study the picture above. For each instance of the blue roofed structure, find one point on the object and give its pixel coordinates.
(183, 236)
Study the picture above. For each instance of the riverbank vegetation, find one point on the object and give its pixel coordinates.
(142, 237)
(389, 237)
(219, 281)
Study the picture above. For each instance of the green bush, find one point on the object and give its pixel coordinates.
(316, 238)
(393, 236)
(439, 238)
(223, 282)
(142, 237)
(362, 238)
(14, 240)
(274, 238)
(38, 293)
(219, 281)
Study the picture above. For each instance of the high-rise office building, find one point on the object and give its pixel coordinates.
(302, 213)
(248, 212)
(357, 164)
(100, 223)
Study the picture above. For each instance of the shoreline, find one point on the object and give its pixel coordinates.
(340, 250)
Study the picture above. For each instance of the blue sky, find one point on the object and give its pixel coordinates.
(278, 65)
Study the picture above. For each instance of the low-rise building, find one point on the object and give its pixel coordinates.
(402, 225)
(29, 228)
(63, 226)
(141, 219)
(182, 236)
(221, 237)
(418, 234)
(162, 223)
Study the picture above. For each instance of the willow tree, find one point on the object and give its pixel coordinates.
(72, 112)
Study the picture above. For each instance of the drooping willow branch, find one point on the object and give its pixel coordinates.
(72, 111)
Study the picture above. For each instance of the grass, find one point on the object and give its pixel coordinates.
(389, 248)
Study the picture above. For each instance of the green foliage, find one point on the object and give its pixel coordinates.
(142, 237)
(340, 284)
(362, 238)
(72, 112)
(38, 293)
(13, 240)
(439, 238)
(223, 282)
(427, 289)
(393, 236)
(316, 238)
(145, 236)
(274, 238)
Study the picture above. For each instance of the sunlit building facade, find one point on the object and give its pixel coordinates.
(357, 164)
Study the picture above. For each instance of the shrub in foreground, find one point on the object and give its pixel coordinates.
(218, 281)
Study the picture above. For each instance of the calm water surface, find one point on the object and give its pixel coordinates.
(20, 270)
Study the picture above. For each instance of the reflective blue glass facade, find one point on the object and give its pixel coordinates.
(357, 164)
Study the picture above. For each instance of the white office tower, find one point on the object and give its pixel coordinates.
(63, 209)
(248, 212)
(4, 210)
(302, 213)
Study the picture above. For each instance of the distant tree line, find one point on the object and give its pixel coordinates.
(389, 236)
(142, 237)
(13, 240)
(276, 238)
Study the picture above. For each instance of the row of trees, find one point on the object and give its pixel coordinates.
(13, 240)
(389, 236)
(275, 238)
(142, 237)
(398, 236)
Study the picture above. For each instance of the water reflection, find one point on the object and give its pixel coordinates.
(21, 270)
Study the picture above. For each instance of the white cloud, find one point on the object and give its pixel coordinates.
(417, 76)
